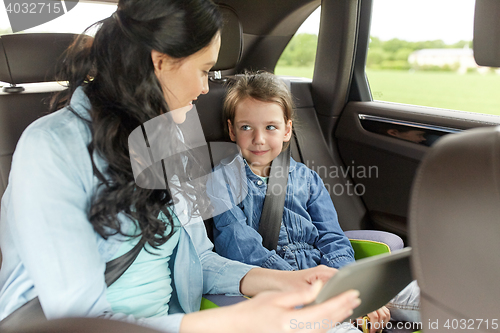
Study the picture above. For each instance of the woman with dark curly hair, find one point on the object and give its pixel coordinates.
(73, 202)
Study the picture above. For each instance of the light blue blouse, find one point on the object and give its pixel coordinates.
(50, 249)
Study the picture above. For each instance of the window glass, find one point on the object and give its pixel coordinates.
(298, 57)
(428, 60)
(74, 21)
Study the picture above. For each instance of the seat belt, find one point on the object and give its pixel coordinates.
(32, 310)
(274, 202)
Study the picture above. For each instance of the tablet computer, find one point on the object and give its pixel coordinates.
(378, 279)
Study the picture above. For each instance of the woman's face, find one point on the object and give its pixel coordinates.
(183, 80)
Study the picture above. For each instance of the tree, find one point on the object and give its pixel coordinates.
(394, 53)
(375, 57)
(461, 44)
(5, 31)
(300, 51)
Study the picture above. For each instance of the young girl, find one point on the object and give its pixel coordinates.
(258, 111)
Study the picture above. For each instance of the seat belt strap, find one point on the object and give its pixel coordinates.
(274, 202)
(116, 267)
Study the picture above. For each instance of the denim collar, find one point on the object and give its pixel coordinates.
(80, 103)
(239, 158)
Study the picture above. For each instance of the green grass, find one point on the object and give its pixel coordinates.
(295, 71)
(469, 92)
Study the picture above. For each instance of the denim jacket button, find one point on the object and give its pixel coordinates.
(259, 182)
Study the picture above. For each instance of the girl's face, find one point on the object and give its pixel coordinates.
(259, 130)
(183, 80)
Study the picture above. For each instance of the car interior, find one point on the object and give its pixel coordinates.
(455, 192)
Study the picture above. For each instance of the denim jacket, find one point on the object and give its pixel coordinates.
(50, 249)
(309, 235)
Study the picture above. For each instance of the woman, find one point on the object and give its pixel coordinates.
(72, 203)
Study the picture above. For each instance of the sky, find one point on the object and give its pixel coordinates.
(412, 20)
(415, 20)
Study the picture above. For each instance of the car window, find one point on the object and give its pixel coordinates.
(428, 60)
(74, 21)
(298, 57)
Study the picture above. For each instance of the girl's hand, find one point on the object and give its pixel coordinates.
(306, 277)
(275, 312)
(258, 280)
(378, 319)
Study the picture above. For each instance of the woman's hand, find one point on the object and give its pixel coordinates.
(275, 312)
(261, 279)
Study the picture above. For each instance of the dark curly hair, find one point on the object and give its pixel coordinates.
(116, 72)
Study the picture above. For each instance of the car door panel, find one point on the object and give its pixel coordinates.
(392, 161)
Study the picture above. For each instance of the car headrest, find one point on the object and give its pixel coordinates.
(454, 226)
(31, 58)
(487, 33)
(231, 40)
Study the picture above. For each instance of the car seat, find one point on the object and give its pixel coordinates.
(454, 230)
(454, 213)
(26, 61)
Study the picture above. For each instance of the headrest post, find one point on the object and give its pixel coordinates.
(13, 89)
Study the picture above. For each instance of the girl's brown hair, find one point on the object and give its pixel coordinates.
(262, 86)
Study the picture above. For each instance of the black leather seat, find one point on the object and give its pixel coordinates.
(26, 60)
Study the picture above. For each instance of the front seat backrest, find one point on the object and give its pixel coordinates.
(455, 213)
(487, 33)
(455, 230)
(25, 61)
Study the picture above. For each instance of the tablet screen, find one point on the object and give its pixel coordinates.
(378, 279)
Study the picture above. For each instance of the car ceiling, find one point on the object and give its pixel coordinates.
(276, 17)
